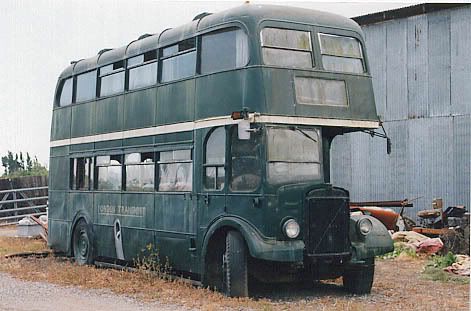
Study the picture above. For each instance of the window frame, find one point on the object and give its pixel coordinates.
(110, 73)
(362, 57)
(60, 89)
(162, 58)
(96, 171)
(125, 173)
(206, 165)
(75, 87)
(158, 162)
(214, 31)
(311, 51)
(260, 157)
(142, 64)
(320, 142)
(74, 178)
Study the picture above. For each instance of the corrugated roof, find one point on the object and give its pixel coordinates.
(405, 12)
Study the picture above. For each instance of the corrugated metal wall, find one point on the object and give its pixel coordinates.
(421, 67)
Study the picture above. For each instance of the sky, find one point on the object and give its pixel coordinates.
(39, 38)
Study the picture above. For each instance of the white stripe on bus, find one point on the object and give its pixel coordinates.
(211, 122)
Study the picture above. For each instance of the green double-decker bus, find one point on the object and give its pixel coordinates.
(210, 142)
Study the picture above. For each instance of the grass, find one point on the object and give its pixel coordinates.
(434, 269)
(142, 286)
(400, 249)
(15, 245)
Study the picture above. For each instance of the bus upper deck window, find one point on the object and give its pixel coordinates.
(222, 50)
(86, 86)
(112, 78)
(179, 60)
(286, 47)
(341, 54)
(65, 97)
(142, 70)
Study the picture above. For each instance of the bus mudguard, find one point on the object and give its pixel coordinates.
(377, 242)
(259, 246)
(81, 214)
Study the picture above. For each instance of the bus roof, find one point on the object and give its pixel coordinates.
(249, 14)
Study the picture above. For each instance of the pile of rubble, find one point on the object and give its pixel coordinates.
(422, 244)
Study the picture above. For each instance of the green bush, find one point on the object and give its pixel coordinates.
(399, 248)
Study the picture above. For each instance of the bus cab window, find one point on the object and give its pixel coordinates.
(223, 50)
(286, 47)
(65, 97)
(139, 171)
(175, 170)
(340, 53)
(109, 172)
(179, 61)
(245, 163)
(215, 152)
(293, 155)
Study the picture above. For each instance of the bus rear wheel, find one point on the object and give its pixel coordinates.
(81, 243)
(235, 276)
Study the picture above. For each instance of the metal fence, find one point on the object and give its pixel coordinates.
(16, 204)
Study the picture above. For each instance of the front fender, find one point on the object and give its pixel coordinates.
(259, 246)
(377, 242)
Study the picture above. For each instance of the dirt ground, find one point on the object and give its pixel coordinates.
(399, 285)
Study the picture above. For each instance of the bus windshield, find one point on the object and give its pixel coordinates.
(293, 155)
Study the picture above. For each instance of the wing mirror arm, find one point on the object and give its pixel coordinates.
(381, 135)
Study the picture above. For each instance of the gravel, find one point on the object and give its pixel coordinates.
(20, 295)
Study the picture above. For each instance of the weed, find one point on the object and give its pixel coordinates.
(443, 261)
(434, 269)
(150, 263)
(400, 248)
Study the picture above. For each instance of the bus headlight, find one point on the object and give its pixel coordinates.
(364, 226)
(291, 228)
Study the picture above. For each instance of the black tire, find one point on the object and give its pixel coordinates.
(359, 280)
(235, 266)
(82, 245)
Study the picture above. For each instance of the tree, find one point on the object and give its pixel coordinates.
(29, 162)
(15, 165)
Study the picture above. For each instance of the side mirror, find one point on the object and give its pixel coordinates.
(243, 130)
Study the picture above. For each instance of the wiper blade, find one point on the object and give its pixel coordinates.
(295, 128)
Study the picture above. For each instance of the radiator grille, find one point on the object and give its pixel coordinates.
(328, 225)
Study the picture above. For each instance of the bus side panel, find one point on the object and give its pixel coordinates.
(279, 91)
(58, 223)
(83, 119)
(139, 109)
(60, 128)
(137, 222)
(109, 114)
(106, 206)
(81, 202)
(175, 102)
(59, 169)
(220, 94)
(175, 222)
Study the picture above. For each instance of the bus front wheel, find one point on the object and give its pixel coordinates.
(82, 243)
(359, 280)
(235, 266)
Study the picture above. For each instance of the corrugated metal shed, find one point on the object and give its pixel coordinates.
(420, 59)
